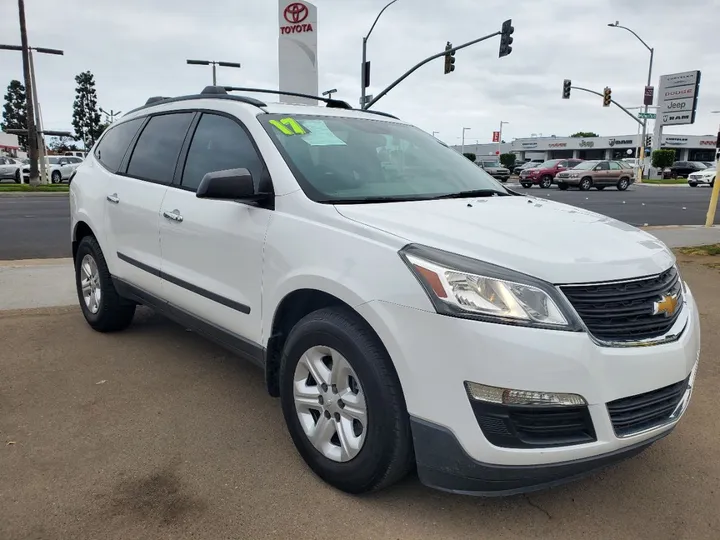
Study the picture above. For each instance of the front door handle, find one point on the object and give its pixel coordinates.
(113, 198)
(174, 215)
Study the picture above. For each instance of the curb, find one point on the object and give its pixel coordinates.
(11, 194)
(689, 227)
(22, 263)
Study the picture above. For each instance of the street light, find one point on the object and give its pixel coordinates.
(463, 139)
(329, 93)
(213, 63)
(110, 115)
(365, 69)
(616, 24)
(434, 132)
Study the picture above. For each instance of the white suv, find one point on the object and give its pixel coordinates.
(391, 290)
(58, 168)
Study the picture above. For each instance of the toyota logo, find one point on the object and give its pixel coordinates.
(296, 13)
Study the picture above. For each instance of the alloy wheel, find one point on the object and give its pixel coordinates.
(90, 283)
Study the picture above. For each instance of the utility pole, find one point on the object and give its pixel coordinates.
(29, 91)
(110, 116)
(38, 122)
(500, 137)
(463, 140)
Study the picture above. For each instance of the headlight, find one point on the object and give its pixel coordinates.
(462, 287)
(574, 175)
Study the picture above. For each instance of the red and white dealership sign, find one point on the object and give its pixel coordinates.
(295, 15)
(496, 136)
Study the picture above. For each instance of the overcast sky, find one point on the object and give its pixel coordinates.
(137, 49)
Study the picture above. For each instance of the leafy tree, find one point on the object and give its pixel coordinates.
(508, 160)
(471, 156)
(15, 110)
(60, 145)
(663, 158)
(86, 117)
(584, 134)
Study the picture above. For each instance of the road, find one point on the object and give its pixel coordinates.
(156, 433)
(38, 227)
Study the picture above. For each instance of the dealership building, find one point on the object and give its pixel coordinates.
(687, 147)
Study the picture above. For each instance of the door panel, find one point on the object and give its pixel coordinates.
(212, 257)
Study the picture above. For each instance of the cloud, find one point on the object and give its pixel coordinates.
(138, 48)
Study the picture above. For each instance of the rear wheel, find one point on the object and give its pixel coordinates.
(562, 186)
(546, 181)
(623, 184)
(56, 177)
(343, 404)
(104, 309)
(585, 183)
(526, 185)
(17, 176)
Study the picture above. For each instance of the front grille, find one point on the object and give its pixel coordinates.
(624, 311)
(533, 427)
(645, 411)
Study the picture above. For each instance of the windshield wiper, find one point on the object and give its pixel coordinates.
(470, 193)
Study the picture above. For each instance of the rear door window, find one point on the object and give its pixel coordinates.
(614, 166)
(112, 147)
(158, 147)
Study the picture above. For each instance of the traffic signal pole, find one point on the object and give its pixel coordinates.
(631, 115)
(420, 64)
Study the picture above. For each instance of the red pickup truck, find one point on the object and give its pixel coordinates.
(544, 173)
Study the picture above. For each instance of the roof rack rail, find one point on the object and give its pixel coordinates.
(155, 99)
(380, 113)
(333, 103)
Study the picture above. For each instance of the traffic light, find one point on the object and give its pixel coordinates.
(449, 59)
(607, 96)
(648, 141)
(567, 83)
(506, 38)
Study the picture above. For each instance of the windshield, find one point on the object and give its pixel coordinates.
(549, 164)
(491, 164)
(585, 165)
(350, 160)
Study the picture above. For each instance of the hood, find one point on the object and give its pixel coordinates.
(552, 241)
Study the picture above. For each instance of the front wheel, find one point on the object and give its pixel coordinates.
(546, 182)
(623, 184)
(343, 404)
(103, 308)
(585, 184)
(692, 184)
(526, 185)
(17, 176)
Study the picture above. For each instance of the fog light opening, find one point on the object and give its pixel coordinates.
(508, 396)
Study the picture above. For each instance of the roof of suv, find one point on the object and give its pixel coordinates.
(333, 107)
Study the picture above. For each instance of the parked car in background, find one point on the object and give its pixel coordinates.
(709, 164)
(9, 169)
(58, 168)
(495, 169)
(544, 173)
(705, 177)
(595, 173)
(685, 168)
(527, 165)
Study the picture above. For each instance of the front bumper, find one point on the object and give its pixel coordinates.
(435, 354)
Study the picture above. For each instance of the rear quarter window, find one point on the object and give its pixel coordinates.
(112, 147)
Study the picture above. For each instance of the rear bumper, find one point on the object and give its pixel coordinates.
(443, 464)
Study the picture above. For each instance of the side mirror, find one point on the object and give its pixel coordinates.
(230, 184)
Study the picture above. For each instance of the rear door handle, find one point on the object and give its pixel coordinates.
(113, 198)
(174, 215)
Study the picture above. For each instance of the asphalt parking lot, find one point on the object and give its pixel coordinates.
(155, 433)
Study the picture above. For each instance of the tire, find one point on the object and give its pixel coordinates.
(623, 184)
(112, 313)
(526, 185)
(17, 176)
(385, 455)
(692, 184)
(546, 181)
(585, 183)
(56, 177)
(562, 186)
(503, 180)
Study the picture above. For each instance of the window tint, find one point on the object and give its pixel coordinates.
(603, 166)
(219, 143)
(614, 166)
(114, 144)
(3, 161)
(158, 147)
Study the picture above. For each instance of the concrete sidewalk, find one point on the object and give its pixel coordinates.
(36, 283)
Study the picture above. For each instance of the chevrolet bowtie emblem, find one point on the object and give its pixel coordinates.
(666, 306)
